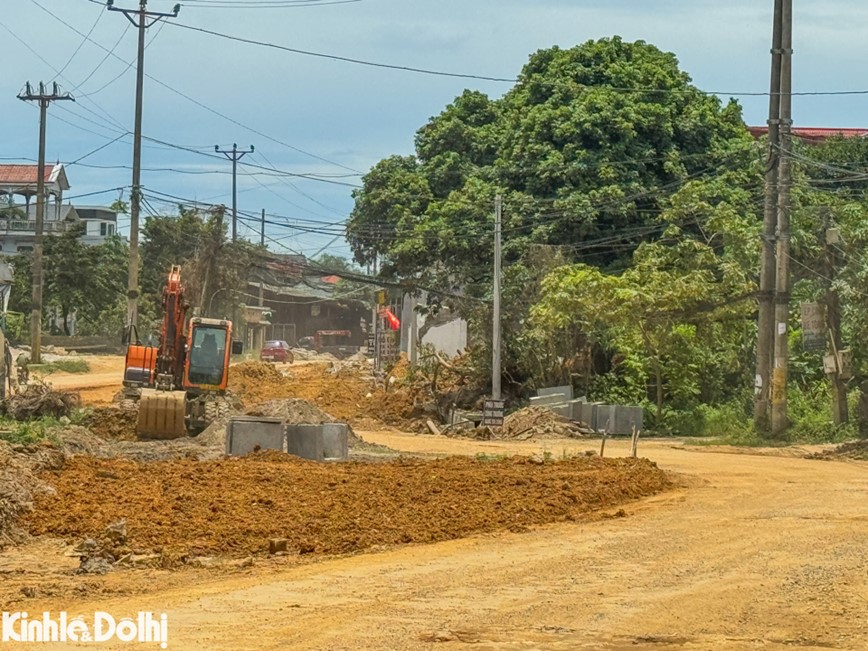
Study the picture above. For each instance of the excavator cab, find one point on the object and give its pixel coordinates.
(208, 353)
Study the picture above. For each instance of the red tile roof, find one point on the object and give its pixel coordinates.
(815, 133)
(22, 173)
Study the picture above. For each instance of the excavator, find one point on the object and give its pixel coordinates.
(179, 385)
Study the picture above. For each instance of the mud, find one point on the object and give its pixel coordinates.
(234, 506)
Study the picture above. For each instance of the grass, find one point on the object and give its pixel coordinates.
(65, 365)
(36, 431)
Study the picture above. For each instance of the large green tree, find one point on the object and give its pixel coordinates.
(588, 150)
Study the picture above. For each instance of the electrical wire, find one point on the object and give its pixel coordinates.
(80, 45)
(195, 101)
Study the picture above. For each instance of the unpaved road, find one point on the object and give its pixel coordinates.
(757, 552)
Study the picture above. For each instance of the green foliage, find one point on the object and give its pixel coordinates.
(89, 279)
(215, 270)
(31, 431)
(575, 159)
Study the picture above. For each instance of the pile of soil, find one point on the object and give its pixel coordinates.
(112, 423)
(538, 423)
(19, 485)
(347, 389)
(234, 506)
(255, 382)
(293, 411)
(857, 450)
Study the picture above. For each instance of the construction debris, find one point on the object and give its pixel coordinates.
(540, 423)
(856, 450)
(37, 400)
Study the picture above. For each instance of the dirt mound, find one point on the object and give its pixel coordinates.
(19, 484)
(294, 411)
(39, 399)
(534, 422)
(112, 423)
(234, 506)
(857, 450)
(255, 382)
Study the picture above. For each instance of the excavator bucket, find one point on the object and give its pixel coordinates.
(161, 414)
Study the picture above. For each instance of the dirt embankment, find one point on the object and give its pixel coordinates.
(234, 506)
(347, 390)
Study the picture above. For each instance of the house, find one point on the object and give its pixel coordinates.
(814, 134)
(301, 302)
(18, 217)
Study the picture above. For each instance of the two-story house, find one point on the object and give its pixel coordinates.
(18, 188)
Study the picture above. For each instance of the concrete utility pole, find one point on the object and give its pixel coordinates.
(44, 98)
(495, 334)
(234, 155)
(765, 322)
(141, 19)
(780, 422)
(262, 243)
(840, 414)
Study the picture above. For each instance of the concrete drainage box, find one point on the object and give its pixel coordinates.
(336, 441)
(245, 433)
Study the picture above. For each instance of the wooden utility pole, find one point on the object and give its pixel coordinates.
(780, 422)
(141, 19)
(765, 322)
(234, 155)
(44, 98)
(495, 334)
(830, 238)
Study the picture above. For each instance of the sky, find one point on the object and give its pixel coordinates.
(332, 120)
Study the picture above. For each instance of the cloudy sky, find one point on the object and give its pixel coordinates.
(332, 119)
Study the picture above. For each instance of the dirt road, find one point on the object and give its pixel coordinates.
(758, 552)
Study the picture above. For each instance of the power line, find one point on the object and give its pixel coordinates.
(334, 57)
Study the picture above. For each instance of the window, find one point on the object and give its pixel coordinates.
(25, 249)
(207, 356)
(103, 229)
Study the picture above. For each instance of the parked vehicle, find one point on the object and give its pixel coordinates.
(336, 342)
(276, 351)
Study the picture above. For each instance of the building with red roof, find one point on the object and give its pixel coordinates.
(815, 134)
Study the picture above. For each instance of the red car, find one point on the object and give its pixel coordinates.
(276, 351)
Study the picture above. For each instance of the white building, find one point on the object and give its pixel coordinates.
(18, 218)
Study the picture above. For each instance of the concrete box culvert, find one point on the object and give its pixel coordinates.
(305, 441)
(244, 434)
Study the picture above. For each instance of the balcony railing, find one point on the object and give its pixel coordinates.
(29, 226)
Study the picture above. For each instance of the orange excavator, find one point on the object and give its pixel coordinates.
(180, 384)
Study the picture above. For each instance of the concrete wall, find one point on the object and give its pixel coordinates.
(448, 339)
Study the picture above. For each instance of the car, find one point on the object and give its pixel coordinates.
(276, 351)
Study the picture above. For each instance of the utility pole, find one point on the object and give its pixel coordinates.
(262, 243)
(141, 19)
(495, 334)
(234, 155)
(780, 422)
(765, 322)
(831, 239)
(44, 98)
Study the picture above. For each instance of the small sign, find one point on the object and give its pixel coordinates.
(372, 348)
(813, 326)
(492, 413)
